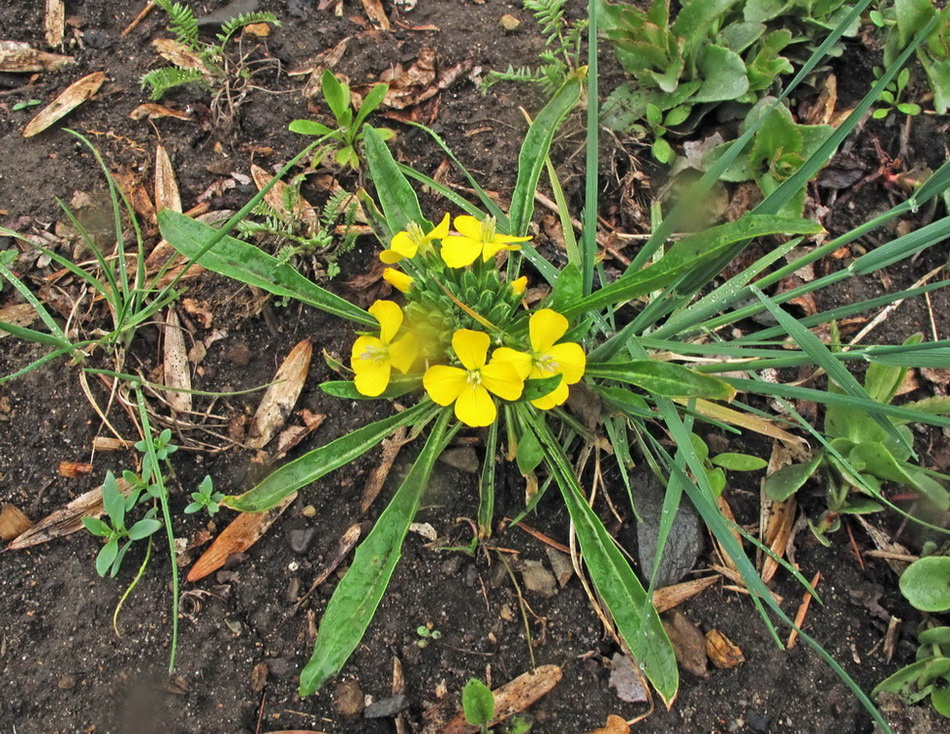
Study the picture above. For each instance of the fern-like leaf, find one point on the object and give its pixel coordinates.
(182, 21)
(232, 26)
(160, 81)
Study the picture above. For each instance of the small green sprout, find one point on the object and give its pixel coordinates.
(426, 633)
(890, 98)
(114, 530)
(23, 104)
(205, 498)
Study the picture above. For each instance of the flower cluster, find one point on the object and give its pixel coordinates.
(462, 329)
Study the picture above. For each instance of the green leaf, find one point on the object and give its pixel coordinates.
(478, 703)
(370, 102)
(739, 462)
(568, 287)
(113, 501)
(319, 462)
(940, 698)
(663, 378)
(935, 636)
(534, 150)
(724, 75)
(635, 616)
(538, 388)
(336, 94)
(97, 526)
(107, 556)
(784, 482)
(396, 196)
(883, 381)
(903, 682)
(926, 584)
(248, 264)
(310, 127)
(346, 389)
(662, 151)
(529, 454)
(143, 528)
(691, 255)
(356, 597)
(859, 506)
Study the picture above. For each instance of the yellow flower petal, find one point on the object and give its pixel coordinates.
(441, 230)
(363, 350)
(471, 347)
(390, 257)
(491, 249)
(545, 328)
(403, 352)
(444, 383)
(389, 316)
(520, 360)
(502, 379)
(554, 398)
(570, 359)
(459, 252)
(398, 279)
(469, 227)
(404, 244)
(373, 379)
(475, 407)
(519, 284)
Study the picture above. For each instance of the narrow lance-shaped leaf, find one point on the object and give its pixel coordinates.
(356, 597)
(319, 462)
(244, 262)
(396, 196)
(663, 378)
(637, 620)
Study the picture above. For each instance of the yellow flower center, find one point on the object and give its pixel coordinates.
(546, 363)
(488, 229)
(474, 377)
(375, 354)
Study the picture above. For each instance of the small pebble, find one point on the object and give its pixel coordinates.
(309, 511)
(509, 22)
(348, 698)
(301, 539)
(452, 566)
(67, 682)
(464, 459)
(538, 579)
(385, 708)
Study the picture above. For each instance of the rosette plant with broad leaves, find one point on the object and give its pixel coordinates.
(649, 355)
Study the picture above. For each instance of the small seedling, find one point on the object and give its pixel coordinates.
(348, 133)
(114, 530)
(426, 633)
(717, 466)
(478, 704)
(23, 104)
(890, 98)
(205, 498)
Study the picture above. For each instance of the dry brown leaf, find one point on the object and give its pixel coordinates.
(688, 642)
(13, 523)
(260, 30)
(178, 54)
(882, 541)
(280, 398)
(110, 443)
(277, 198)
(73, 469)
(374, 10)
(166, 187)
(377, 478)
(420, 82)
(776, 519)
(721, 651)
(155, 111)
(730, 517)
(822, 112)
(54, 22)
(18, 314)
(70, 98)
(65, 520)
(802, 611)
(615, 725)
(17, 57)
(750, 422)
(175, 367)
(243, 532)
(290, 437)
(670, 596)
(514, 696)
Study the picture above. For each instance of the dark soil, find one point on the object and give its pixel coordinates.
(65, 669)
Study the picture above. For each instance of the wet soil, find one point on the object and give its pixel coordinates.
(239, 653)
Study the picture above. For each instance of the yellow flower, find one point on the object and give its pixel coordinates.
(547, 358)
(398, 279)
(519, 284)
(374, 357)
(475, 238)
(471, 388)
(408, 242)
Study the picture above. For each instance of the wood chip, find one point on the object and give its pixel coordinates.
(514, 696)
(802, 612)
(243, 532)
(280, 398)
(13, 522)
(71, 97)
(155, 111)
(175, 366)
(66, 520)
(374, 10)
(178, 54)
(670, 596)
(54, 22)
(18, 314)
(721, 651)
(17, 57)
(377, 478)
(166, 187)
(73, 469)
